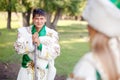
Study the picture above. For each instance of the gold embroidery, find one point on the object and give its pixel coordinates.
(47, 55)
(30, 65)
(26, 48)
(42, 73)
(50, 34)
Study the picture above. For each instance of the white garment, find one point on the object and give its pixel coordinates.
(103, 16)
(50, 50)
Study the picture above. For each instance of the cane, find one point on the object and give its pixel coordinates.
(35, 65)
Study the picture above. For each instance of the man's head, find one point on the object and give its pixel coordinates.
(39, 12)
(39, 17)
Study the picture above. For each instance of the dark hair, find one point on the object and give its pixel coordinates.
(39, 12)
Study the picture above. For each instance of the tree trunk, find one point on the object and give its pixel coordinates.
(48, 23)
(57, 15)
(9, 20)
(26, 18)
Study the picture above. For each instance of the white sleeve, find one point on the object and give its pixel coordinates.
(50, 46)
(85, 70)
(23, 43)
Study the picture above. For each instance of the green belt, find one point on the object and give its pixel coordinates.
(26, 59)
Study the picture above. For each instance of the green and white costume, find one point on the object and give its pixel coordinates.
(47, 51)
(103, 16)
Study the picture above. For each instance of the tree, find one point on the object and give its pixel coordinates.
(8, 5)
(54, 9)
(9, 8)
(25, 6)
(57, 8)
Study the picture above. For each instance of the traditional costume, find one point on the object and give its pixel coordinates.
(46, 53)
(103, 16)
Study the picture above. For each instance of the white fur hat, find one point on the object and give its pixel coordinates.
(104, 16)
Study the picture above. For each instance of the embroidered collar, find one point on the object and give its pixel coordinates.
(42, 32)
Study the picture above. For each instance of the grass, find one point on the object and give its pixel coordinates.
(7, 39)
(73, 41)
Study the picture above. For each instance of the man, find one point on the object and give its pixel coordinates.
(48, 49)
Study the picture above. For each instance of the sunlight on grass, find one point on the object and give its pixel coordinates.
(13, 25)
(15, 20)
(83, 23)
(67, 23)
(6, 44)
(75, 40)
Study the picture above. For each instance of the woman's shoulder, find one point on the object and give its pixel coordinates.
(88, 58)
(85, 67)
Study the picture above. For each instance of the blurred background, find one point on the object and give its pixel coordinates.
(62, 15)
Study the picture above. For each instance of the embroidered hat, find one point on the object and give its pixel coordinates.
(104, 16)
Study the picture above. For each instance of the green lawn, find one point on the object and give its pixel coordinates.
(73, 41)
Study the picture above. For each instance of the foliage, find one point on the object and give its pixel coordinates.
(53, 8)
(6, 5)
(68, 6)
(72, 7)
(25, 5)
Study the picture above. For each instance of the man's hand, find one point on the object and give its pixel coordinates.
(35, 38)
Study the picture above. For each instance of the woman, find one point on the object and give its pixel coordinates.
(37, 62)
(102, 62)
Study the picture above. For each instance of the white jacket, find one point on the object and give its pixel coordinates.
(50, 50)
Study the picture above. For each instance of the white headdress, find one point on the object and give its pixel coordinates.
(104, 16)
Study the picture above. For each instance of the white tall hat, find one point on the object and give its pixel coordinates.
(104, 16)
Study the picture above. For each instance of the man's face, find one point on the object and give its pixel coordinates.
(39, 21)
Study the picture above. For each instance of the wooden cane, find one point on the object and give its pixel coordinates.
(35, 65)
